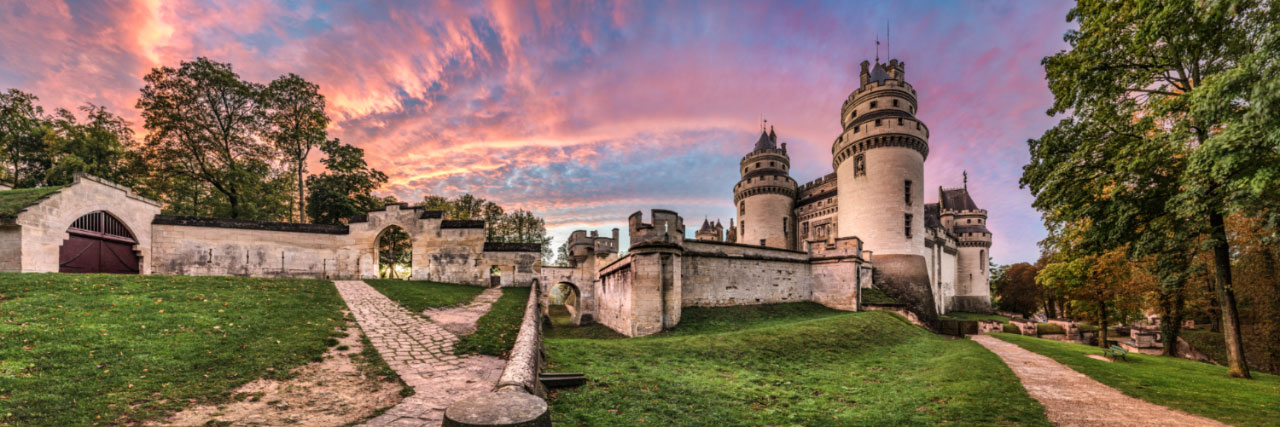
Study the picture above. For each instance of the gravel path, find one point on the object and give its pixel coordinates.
(1073, 399)
(421, 352)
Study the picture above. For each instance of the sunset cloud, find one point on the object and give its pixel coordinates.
(584, 111)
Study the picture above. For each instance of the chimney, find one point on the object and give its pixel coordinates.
(615, 234)
(865, 76)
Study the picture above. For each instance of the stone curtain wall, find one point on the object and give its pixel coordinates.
(718, 274)
(31, 243)
(613, 296)
(222, 251)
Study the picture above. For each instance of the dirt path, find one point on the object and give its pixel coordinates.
(1072, 399)
(462, 320)
(421, 352)
(332, 392)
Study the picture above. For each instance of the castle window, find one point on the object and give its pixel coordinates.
(906, 192)
(757, 164)
(873, 104)
(859, 165)
(854, 115)
(895, 103)
(899, 122)
(784, 227)
(906, 220)
(770, 164)
(804, 229)
(855, 129)
(742, 208)
(877, 122)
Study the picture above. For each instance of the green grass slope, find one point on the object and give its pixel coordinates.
(90, 349)
(787, 364)
(496, 331)
(418, 295)
(1193, 387)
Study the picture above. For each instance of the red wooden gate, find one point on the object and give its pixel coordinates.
(99, 243)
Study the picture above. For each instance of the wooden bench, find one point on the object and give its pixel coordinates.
(1115, 352)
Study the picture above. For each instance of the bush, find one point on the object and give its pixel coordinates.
(1012, 329)
(1049, 328)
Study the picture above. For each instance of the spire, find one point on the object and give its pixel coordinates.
(772, 135)
(966, 181)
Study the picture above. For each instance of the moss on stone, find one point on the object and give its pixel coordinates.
(14, 201)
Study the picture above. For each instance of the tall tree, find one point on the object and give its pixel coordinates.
(204, 119)
(1017, 289)
(345, 188)
(295, 122)
(1126, 84)
(23, 145)
(100, 146)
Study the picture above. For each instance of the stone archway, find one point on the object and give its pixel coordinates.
(98, 242)
(393, 250)
(568, 296)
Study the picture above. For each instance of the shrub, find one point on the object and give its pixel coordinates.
(1049, 328)
(1012, 329)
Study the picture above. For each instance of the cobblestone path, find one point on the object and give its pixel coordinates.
(1071, 398)
(421, 352)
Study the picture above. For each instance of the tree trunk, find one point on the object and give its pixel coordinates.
(1102, 324)
(1172, 270)
(302, 204)
(1236, 365)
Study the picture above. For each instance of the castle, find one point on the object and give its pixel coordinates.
(863, 225)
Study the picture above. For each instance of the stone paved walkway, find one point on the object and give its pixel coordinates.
(421, 352)
(1071, 398)
(462, 320)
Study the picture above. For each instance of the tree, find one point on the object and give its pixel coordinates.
(1127, 83)
(1100, 288)
(520, 226)
(345, 188)
(562, 255)
(203, 119)
(101, 146)
(23, 133)
(295, 122)
(1017, 289)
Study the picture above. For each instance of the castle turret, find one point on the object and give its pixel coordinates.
(879, 162)
(765, 196)
(962, 217)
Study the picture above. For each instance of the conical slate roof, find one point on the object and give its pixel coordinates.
(878, 74)
(764, 141)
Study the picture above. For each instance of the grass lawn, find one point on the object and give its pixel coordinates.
(787, 364)
(956, 315)
(416, 295)
(82, 349)
(1194, 387)
(562, 328)
(876, 296)
(12, 201)
(496, 331)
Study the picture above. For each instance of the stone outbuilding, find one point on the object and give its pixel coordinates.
(93, 225)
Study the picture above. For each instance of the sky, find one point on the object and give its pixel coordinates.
(584, 112)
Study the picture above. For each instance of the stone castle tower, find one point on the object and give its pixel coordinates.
(879, 164)
(765, 196)
(962, 217)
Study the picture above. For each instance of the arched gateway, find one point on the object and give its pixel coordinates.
(98, 243)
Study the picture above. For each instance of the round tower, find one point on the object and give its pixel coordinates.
(879, 162)
(765, 196)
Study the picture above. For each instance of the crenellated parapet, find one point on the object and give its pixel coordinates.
(664, 231)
